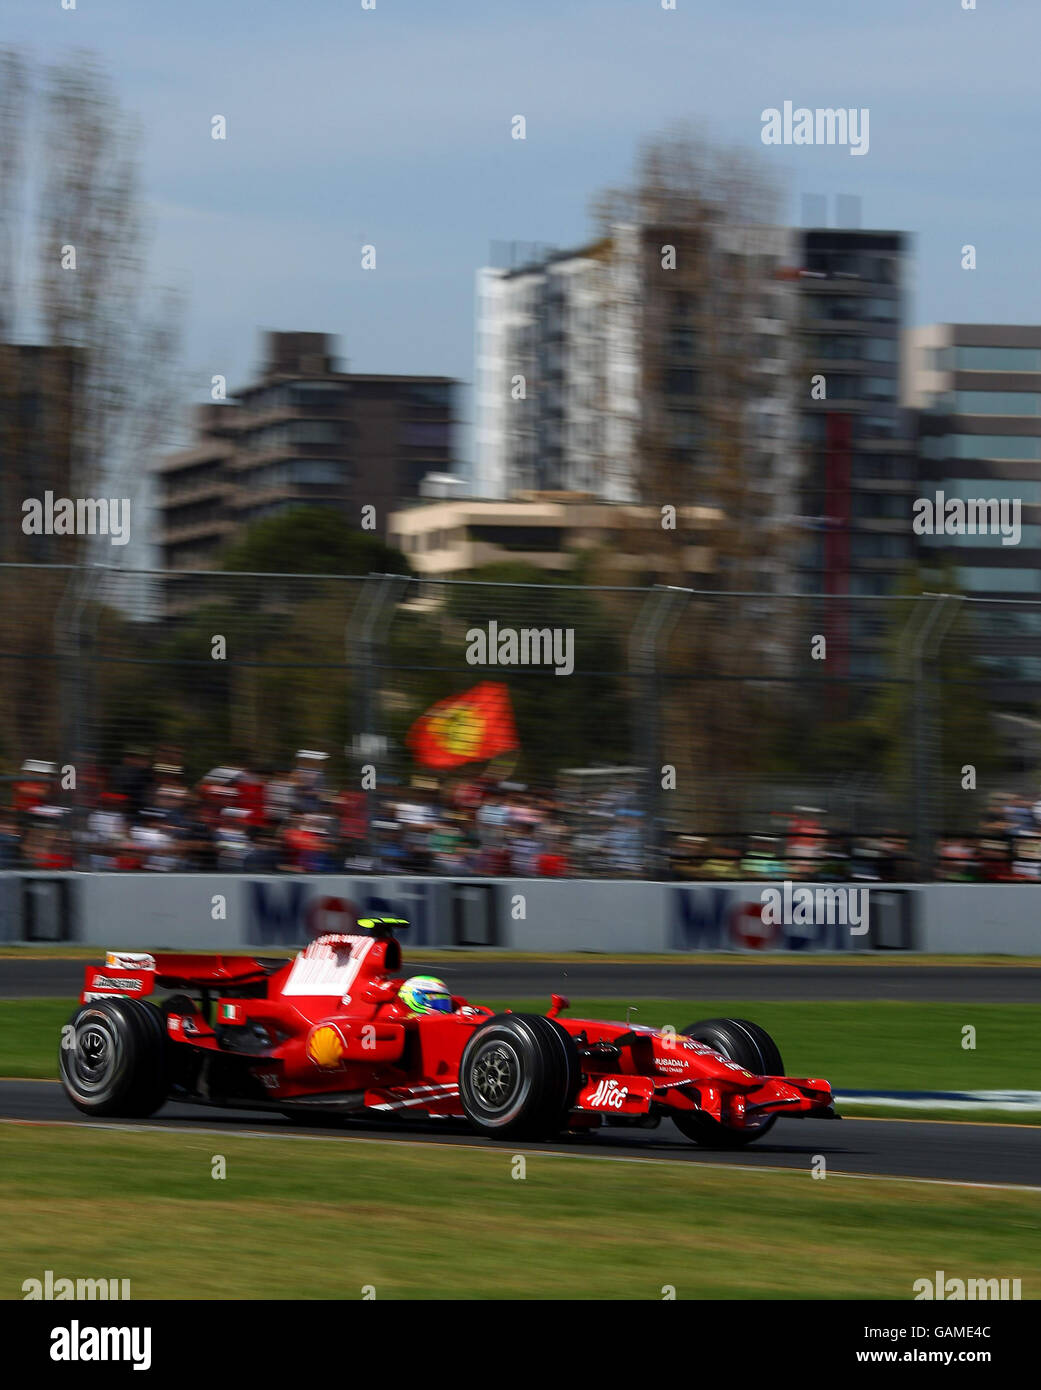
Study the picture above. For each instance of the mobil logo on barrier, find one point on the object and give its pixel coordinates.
(281, 913)
(718, 918)
(285, 913)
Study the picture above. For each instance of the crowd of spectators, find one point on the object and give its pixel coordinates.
(1004, 848)
(144, 815)
(870, 859)
(1007, 848)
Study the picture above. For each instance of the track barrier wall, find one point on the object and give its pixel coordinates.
(210, 912)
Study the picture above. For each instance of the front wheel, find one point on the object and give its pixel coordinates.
(518, 1077)
(750, 1047)
(112, 1058)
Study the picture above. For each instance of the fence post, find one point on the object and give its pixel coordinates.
(658, 615)
(365, 639)
(75, 667)
(925, 640)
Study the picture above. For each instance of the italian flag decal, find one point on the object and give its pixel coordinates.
(231, 1013)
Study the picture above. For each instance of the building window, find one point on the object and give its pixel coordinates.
(315, 432)
(1026, 490)
(317, 471)
(876, 427)
(682, 343)
(523, 538)
(679, 382)
(865, 545)
(833, 306)
(869, 584)
(429, 394)
(1030, 539)
(436, 435)
(890, 506)
(315, 392)
(686, 429)
(997, 402)
(881, 310)
(990, 359)
(977, 578)
(982, 446)
(881, 466)
(270, 398)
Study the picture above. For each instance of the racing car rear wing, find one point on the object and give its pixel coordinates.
(139, 973)
(212, 970)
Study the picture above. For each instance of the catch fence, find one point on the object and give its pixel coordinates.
(663, 727)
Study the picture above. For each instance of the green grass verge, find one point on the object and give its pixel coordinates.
(851, 1110)
(28, 1029)
(855, 1046)
(324, 1219)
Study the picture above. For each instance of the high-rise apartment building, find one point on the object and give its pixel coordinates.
(625, 368)
(859, 475)
(977, 387)
(305, 433)
(541, 404)
(39, 388)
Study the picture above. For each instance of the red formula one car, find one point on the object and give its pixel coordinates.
(332, 1033)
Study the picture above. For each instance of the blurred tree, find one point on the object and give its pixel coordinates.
(287, 679)
(690, 269)
(577, 720)
(301, 690)
(692, 275)
(83, 404)
(312, 540)
(869, 742)
(959, 713)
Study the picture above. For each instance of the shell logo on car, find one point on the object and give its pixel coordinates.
(325, 1046)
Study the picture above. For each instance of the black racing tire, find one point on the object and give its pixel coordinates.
(750, 1047)
(519, 1076)
(113, 1058)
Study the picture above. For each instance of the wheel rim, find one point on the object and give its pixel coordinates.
(93, 1061)
(495, 1077)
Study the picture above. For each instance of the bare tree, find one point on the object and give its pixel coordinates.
(86, 351)
(694, 276)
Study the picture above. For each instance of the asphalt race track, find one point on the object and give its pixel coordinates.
(496, 979)
(961, 1153)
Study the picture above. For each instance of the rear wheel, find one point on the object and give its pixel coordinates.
(113, 1058)
(750, 1047)
(519, 1076)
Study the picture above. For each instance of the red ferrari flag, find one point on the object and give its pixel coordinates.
(465, 728)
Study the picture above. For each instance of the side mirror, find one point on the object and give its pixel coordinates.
(558, 1002)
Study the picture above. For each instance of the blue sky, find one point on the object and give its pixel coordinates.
(392, 126)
